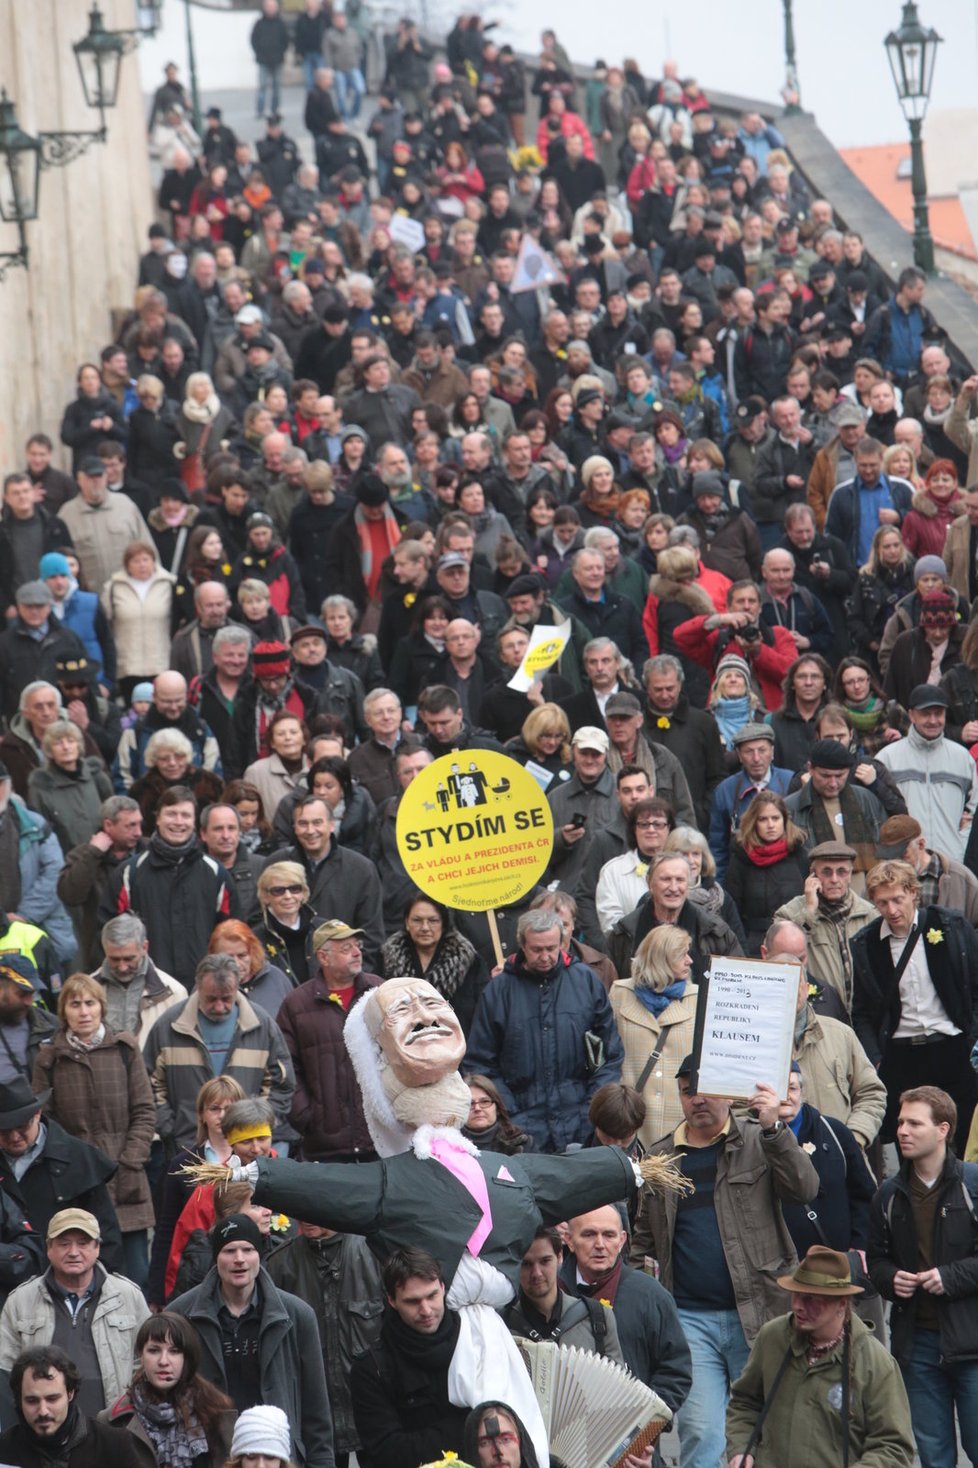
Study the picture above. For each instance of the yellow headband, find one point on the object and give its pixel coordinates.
(248, 1133)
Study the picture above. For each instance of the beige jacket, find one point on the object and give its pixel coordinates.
(100, 535)
(840, 1079)
(272, 781)
(963, 433)
(754, 1174)
(640, 1032)
(28, 1321)
(824, 954)
(957, 550)
(140, 626)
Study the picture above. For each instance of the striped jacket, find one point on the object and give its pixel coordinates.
(178, 1062)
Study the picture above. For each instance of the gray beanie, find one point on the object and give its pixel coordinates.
(929, 566)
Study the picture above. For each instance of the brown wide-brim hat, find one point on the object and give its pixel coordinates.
(822, 1272)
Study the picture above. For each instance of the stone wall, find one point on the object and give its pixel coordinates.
(93, 217)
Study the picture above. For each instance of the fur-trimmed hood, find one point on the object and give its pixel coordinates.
(688, 593)
(925, 505)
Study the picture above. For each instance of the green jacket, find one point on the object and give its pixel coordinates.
(804, 1424)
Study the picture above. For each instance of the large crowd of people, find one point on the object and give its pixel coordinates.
(517, 347)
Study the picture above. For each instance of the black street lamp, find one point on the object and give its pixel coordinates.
(99, 57)
(912, 51)
(20, 179)
(792, 91)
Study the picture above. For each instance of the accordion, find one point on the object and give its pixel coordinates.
(594, 1411)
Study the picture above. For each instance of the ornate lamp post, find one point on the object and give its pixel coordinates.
(912, 51)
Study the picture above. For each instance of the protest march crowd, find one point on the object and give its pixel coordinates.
(392, 397)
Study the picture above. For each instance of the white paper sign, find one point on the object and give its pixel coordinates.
(534, 268)
(405, 231)
(545, 647)
(746, 1029)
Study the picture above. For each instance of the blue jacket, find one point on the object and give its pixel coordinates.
(730, 799)
(845, 1188)
(842, 519)
(41, 860)
(84, 616)
(528, 1037)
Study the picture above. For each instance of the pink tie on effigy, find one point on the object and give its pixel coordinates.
(463, 1165)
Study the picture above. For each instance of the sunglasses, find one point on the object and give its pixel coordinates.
(281, 891)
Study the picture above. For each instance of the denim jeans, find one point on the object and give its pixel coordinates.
(267, 81)
(350, 88)
(310, 65)
(135, 1254)
(719, 1351)
(934, 1390)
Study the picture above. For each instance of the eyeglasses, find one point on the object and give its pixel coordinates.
(651, 825)
(419, 922)
(485, 1105)
(282, 891)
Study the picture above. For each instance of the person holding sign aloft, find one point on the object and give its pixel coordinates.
(721, 1248)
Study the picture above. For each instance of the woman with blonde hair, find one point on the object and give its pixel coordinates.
(655, 1011)
(203, 427)
(732, 701)
(767, 865)
(899, 462)
(97, 1088)
(885, 579)
(210, 1145)
(545, 740)
(287, 920)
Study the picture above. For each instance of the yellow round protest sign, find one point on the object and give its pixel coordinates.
(474, 830)
(543, 655)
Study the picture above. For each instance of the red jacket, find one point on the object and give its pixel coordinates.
(569, 123)
(769, 663)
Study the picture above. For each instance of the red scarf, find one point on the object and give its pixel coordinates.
(769, 854)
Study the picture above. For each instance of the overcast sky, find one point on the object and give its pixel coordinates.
(844, 73)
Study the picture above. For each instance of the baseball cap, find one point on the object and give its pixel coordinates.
(18, 968)
(928, 696)
(247, 316)
(92, 466)
(333, 932)
(449, 559)
(588, 737)
(78, 1218)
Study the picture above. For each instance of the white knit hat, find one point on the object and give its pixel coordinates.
(262, 1430)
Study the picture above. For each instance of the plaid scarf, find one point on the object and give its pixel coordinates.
(858, 832)
(837, 913)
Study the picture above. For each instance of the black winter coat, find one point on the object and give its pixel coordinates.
(953, 966)
(98, 1446)
(55, 536)
(708, 932)
(893, 1246)
(651, 1337)
(845, 1188)
(76, 430)
(180, 904)
(758, 892)
(69, 1173)
(327, 1109)
(23, 658)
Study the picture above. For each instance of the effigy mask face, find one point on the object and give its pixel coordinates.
(419, 1033)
